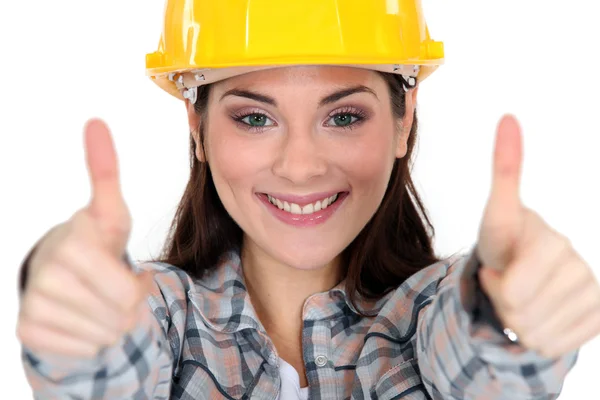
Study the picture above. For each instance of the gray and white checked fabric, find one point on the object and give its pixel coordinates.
(434, 337)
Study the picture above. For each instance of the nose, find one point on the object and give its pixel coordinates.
(300, 156)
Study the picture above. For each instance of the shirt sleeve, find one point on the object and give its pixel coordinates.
(140, 366)
(463, 354)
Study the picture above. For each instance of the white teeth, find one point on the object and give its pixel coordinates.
(295, 208)
(307, 209)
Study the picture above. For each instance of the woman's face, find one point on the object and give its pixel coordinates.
(301, 156)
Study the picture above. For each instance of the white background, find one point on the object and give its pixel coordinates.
(64, 61)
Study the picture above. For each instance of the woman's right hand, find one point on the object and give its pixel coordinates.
(80, 294)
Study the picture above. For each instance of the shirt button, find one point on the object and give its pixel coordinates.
(321, 361)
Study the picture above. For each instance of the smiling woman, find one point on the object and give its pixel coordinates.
(300, 262)
(305, 168)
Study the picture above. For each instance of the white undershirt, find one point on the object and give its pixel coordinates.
(290, 383)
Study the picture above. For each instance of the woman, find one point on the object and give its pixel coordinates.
(300, 262)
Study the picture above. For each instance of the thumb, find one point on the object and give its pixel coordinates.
(503, 218)
(107, 205)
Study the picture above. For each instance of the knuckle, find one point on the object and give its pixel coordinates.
(129, 301)
(41, 258)
(80, 220)
(112, 339)
(124, 222)
(510, 301)
(31, 307)
(131, 292)
(566, 241)
(578, 266)
(529, 341)
(90, 351)
(26, 331)
(546, 351)
(118, 231)
(590, 292)
(128, 322)
(562, 245)
(512, 320)
(596, 325)
(68, 249)
(21, 331)
(507, 290)
(49, 278)
(525, 318)
(81, 231)
(586, 271)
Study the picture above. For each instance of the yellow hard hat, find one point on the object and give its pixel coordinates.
(204, 41)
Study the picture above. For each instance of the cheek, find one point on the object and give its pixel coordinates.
(228, 169)
(369, 161)
(228, 160)
(234, 166)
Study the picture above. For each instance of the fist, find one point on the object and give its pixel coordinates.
(548, 295)
(540, 287)
(80, 295)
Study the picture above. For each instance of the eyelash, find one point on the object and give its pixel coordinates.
(360, 115)
(238, 117)
(357, 113)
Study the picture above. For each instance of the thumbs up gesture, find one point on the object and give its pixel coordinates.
(540, 287)
(80, 295)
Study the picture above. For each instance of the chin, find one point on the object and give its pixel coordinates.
(306, 259)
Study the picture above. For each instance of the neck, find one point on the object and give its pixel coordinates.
(278, 291)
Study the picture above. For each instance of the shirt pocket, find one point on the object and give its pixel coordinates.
(402, 381)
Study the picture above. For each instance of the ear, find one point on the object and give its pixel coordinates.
(194, 124)
(406, 123)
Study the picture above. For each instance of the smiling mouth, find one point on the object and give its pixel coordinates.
(308, 209)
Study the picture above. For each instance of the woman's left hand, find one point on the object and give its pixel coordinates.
(540, 287)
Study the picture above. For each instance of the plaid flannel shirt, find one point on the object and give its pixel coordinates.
(434, 337)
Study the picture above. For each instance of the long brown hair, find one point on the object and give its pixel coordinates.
(395, 243)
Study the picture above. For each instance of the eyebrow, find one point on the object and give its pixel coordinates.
(250, 95)
(332, 98)
(335, 96)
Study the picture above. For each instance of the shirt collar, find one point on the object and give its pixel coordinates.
(223, 302)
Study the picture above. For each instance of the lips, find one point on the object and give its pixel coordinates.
(303, 211)
(297, 209)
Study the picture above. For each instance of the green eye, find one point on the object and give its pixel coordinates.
(343, 119)
(256, 120)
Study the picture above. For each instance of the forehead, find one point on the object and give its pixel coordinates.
(304, 76)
